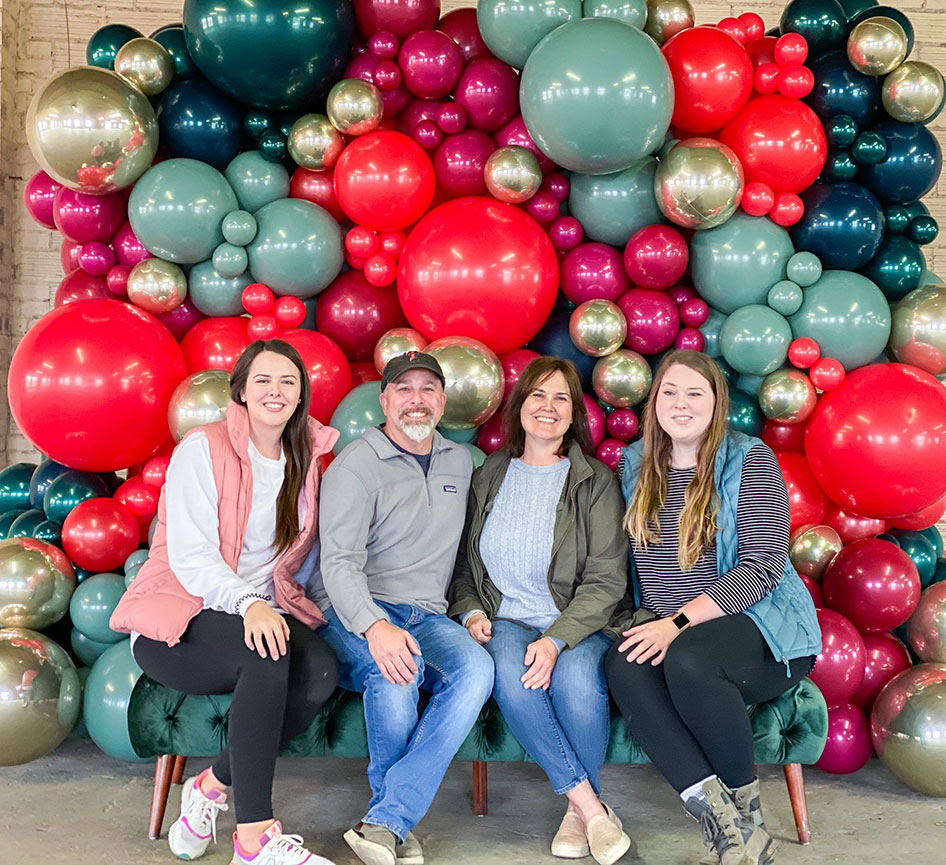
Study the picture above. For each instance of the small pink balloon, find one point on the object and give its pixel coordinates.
(117, 280)
(690, 338)
(558, 184)
(128, 249)
(181, 319)
(656, 256)
(839, 668)
(593, 271)
(652, 320)
(489, 91)
(490, 437)
(387, 75)
(848, 747)
(609, 452)
(543, 207)
(566, 233)
(80, 285)
(694, 312)
(596, 420)
(515, 132)
(431, 63)
(513, 363)
(886, 656)
(96, 258)
(84, 218)
(623, 424)
(39, 195)
(452, 118)
(416, 111)
(69, 255)
(460, 161)
(428, 135)
(680, 294)
(384, 45)
(460, 25)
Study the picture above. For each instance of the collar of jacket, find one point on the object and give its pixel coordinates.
(238, 432)
(489, 477)
(385, 448)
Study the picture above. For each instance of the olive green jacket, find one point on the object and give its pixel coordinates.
(588, 571)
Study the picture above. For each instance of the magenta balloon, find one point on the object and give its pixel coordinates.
(428, 135)
(566, 233)
(69, 255)
(96, 258)
(814, 589)
(362, 66)
(117, 279)
(384, 45)
(387, 75)
(395, 101)
(556, 183)
(886, 657)
(656, 256)
(431, 63)
(83, 218)
(652, 320)
(489, 91)
(400, 17)
(128, 249)
(181, 319)
(593, 271)
(609, 452)
(839, 669)
(596, 420)
(39, 196)
(460, 25)
(418, 110)
(680, 294)
(543, 207)
(460, 161)
(694, 312)
(451, 118)
(623, 424)
(848, 747)
(689, 338)
(515, 132)
(513, 363)
(490, 437)
(80, 285)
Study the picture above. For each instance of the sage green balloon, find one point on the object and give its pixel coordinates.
(785, 297)
(750, 384)
(106, 701)
(359, 409)
(460, 436)
(736, 263)
(230, 261)
(612, 207)
(239, 228)
(479, 457)
(214, 294)
(631, 12)
(755, 339)
(710, 330)
(847, 315)
(787, 396)
(85, 649)
(256, 181)
(804, 268)
(512, 28)
(92, 604)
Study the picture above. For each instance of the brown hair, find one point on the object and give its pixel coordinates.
(532, 376)
(296, 443)
(697, 526)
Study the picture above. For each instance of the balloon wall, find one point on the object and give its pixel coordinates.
(363, 178)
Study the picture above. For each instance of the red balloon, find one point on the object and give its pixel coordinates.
(513, 363)
(758, 198)
(652, 320)
(289, 312)
(460, 161)
(154, 471)
(80, 285)
(480, 268)
(827, 374)
(765, 78)
(791, 49)
(922, 519)
(392, 242)
(257, 298)
(623, 424)
(803, 352)
(362, 372)
(380, 269)
(784, 436)
(805, 498)
(329, 372)
(848, 747)
(362, 241)
(754, 26)
(596, 419)
(850, 526)
(779, 141)
(262, 326)
(317, 187)
(38, 196)
(490, 437)
(84, 218)
(99, 534)
(215, 343)
(814, 589)
(74, 400)
(142, 500)
(796, 82)
(873, 583)
(787, 210)
(460, 25)
(839, 669)
(694, 312)
(609, 452)
(712, 77)
(384, 180)
(876, 444)
(400, 17)
(656, 256)
(355, 314)
(886, 656)
(690, 339)
(762, 51)
(735, 28)
(489, 92)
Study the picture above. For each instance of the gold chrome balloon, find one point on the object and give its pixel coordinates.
(812, 549)
(146, 64)
(200, 398)
(354, 106)
(314, 143)
(913, 92)
(597, 327)
(918, 329)
(40, 695)
(877, 46)
(398, 340)
(474, 380)
(36, 583)
(157, 285)
(787, 396)
(699, 183)
(513, 174)
(926, 628)
(908, 727)
(91, 130)
(666, 18)
(622, 379)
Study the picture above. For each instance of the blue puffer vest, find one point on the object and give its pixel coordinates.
(786, 616)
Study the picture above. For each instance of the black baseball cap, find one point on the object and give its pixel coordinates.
(397, 366)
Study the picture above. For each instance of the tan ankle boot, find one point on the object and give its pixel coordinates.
(732, 839)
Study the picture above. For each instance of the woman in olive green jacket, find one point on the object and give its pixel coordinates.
(541, 567)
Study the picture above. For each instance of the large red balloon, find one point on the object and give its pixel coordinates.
(851, 526)
(876, 444)
(873, 583)
(805, 499)
(99, 534)
(779, 141)
(848, 747)
(712, 78)
(886, 656)
(79, 285)
(924, 518)
(384, 181)
(215, 343)
(839, 669)
(329, 372)
(89, 384)
(480, 268)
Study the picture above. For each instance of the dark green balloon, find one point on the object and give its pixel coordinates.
(897, 268)
(171, 36)
(898, 219)
(939, 574)
(7, 520)
(46, 472)
(745, 416)
(25, 524)
(916, 208)
(68, 490)
(923, 230)
(853, 8)
(920, 550)
(105, 42)
(840, 167)
(869, 148)
(272, 145)
(49, 533)
(255, 123)
(935, 538)
(823, 23)
(889, 537)
(15, 486)
(841, 131)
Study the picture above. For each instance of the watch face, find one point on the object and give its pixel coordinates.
(681, 621)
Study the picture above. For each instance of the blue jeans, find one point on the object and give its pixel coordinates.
(409, 756)
(564, 729)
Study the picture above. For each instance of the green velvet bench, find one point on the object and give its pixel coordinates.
(789, 731)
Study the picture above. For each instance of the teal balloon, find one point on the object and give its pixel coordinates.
(70, 489)
(256, 181)
(108, 693)
(358, 410)
(83, 574)
(171, 37)
(840, 167)
(935, 538)
(897, 268)
(897, 218)
(229, 261)
(214, 294)
(93, 602)
(80, 731)
(273, 145)
(479, 457)
(255, 123)
(177, 207)
(755, 339)
(804, 268)
(841, 131)
(823, 23)
(710, 330)
(847, 315)
(920, 550)
(46, 472)
(275, 54)
(612, 207)
(49, 533)
(25, 524)
(745, 416)
(133, 564)
(923, 230)
(297, 249)
(750, 384)
(239, 228)
(6, 521)
(630, 12)
(15, 486)
(889, 537)
(105, 42)
(736, 263)
(512, 28)
(596, 95)
(869, 148)
(460, 436)
(785, 297)
(86, 650)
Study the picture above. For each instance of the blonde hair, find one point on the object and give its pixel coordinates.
(697, 525)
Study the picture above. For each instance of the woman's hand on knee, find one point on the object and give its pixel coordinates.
(264, 629)
(540, 659)
(649, 642)
(480, 628)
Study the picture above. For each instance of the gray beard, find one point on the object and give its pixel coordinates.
(417, 431)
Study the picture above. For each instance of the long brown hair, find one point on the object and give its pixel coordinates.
(532, 376)
(296, 443)
(697, 526)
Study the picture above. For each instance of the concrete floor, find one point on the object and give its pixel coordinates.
(78, 806)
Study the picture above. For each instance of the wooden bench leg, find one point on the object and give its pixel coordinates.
(480, 803)
(180, 761)
(163, 772)
(796, 793)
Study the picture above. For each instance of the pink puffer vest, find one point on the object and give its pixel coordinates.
(157, 605)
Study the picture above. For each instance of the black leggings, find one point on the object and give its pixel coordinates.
(689, 713)
(273, 701)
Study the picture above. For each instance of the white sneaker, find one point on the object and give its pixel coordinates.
(278, 849)
(190, 835)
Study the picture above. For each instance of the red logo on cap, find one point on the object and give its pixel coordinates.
(412, 355)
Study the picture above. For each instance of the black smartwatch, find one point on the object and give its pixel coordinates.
(681, 621)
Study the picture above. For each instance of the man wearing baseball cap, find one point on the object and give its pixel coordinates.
(392, 511)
